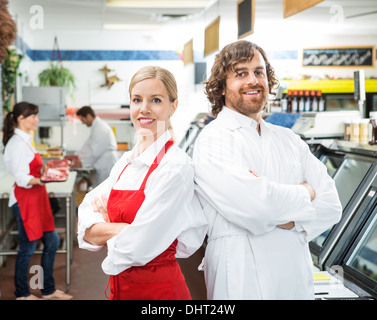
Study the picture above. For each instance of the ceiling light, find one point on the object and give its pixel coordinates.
(109, 26)
(157, 3)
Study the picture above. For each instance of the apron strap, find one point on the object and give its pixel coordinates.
(122, 171)
(157, 161)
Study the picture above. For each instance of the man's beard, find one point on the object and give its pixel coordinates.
(250, 107)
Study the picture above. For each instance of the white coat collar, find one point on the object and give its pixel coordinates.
(23, 135)
(234, 120)
(96, 121)
(148, 156)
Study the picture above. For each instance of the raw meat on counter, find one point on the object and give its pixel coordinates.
(56, 171)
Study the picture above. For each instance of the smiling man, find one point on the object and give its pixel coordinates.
(264, 194)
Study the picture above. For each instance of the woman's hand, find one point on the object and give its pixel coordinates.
(35, 182)
(100, 205)
(100, 233)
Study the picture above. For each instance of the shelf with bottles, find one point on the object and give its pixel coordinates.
(297, 101)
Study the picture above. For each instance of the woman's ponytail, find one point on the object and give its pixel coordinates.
(8, 127)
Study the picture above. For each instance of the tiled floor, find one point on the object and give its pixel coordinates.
(87, 278)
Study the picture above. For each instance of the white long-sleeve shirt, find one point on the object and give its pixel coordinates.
(99, 150)
(18, 154)
(247, 256)
(170, 211)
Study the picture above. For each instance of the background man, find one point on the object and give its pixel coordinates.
(100, 149)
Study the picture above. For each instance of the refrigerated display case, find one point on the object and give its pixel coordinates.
(350, 171)
(196, 126)
(351, 245)
(356, 250)
(360, 263)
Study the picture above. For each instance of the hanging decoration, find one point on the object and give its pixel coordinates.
(109, 79)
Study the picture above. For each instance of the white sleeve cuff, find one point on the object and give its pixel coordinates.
(81, 233)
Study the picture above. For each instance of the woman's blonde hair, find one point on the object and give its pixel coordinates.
(162, 75)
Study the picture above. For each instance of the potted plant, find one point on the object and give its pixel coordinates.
(9, 76)
(57, 75)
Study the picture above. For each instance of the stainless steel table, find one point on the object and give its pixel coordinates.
(64, 190)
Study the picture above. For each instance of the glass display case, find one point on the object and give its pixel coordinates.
(349, 172)
(362, 260)
(187, 143)
(335, 102)
(358, 255)
(351, 245)
(347, 176)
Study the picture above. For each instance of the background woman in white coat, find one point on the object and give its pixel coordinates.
(267, 195)
(146, 211)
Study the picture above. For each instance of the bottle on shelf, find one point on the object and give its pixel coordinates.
(301, 101)
(295, 101)
(307, 101)
(372, 128)
(284, 103)
(321, 101)
(289, 101)
(314, 101)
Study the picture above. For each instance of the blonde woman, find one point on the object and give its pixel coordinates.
(146, 212)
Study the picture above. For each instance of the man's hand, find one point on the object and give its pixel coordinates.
(310, 190)
(287, 226)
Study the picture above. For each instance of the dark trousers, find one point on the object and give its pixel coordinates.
(26, 250)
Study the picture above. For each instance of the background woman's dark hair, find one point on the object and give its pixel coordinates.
(232, 54)
(25, 109)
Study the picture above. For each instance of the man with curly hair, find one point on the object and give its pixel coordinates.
(264, 194)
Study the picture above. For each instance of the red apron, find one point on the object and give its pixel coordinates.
(159, 279)
(35, 207)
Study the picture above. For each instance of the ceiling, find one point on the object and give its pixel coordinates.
(349, 15)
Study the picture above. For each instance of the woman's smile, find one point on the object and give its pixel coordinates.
(146, 121)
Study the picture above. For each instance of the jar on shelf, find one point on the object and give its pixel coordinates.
(355, 130)
(372, 128)
(364, 131)
(347, 130)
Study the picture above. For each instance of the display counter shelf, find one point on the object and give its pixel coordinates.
(329, 86)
